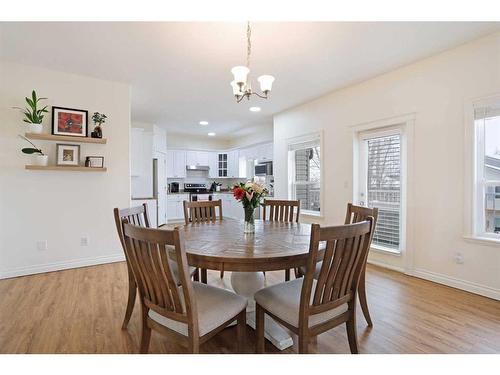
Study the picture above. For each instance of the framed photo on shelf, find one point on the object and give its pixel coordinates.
(67, 155)
(94, 161)
(68, 121)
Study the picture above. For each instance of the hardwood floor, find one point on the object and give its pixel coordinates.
(81, 310)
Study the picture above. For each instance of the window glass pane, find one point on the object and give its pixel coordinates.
(492, 148)
(384, 188)
(307, 169)
(492, 209)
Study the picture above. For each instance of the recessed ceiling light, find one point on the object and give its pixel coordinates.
(211, 134)
(254, 109)
(203, 123)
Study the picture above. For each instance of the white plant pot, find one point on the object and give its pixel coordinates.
(42, 160)
(35, 128)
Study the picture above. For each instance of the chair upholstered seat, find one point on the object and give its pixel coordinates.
(215, 307)
(283, 301)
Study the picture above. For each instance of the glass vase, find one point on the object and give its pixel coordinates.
(249, 220)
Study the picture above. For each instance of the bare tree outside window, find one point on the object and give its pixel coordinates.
(308, 177)
(384, 188)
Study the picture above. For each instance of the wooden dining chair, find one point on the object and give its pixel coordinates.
(138, 216)
(193, 312)
(355, 214)
(202, 212)
(309, 306)
(281, 210)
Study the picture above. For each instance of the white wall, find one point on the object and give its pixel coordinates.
(60, 207)
(436, 90)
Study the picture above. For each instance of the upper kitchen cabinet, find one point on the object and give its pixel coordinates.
(159, 139)
(198, 158)
(233, 164)
(264, 152)
(176, 164)
(212, 163)
(222, 164)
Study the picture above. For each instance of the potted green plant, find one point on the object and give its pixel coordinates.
(99, 119)
(33, 115)
(37, 155)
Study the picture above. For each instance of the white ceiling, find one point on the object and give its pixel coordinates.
(180, 72)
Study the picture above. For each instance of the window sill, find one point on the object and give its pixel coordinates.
(385, 250)
(482, 240)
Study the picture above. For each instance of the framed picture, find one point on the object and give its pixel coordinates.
(68, 155)
(94, 161)
(68, 121)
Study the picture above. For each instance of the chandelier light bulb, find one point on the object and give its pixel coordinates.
(240, 74)
(236, 89)
(266, 83)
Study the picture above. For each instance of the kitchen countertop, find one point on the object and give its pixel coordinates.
(211, 192)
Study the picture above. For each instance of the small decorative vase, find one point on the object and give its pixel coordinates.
(97, 133)
(249, 220)
(42, 160)
(35, 128)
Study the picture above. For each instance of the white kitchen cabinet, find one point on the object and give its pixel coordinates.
(264, 152)
(191, 158)
(212, 163)
(197, 158)
(233, 164)
(176, 163)
(175, 207)
(222, 164)
(170, 163)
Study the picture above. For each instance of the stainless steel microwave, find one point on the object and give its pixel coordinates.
(264, 169)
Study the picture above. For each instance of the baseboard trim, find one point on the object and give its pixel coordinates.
(453, 282)
(58, 266)
(438, 278)
(385, 265)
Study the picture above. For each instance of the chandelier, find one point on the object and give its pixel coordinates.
(241, 85)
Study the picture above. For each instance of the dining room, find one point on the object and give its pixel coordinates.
(250, 187)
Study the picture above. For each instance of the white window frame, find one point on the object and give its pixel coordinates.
(291, 169)
(476, 176)
(402, 125)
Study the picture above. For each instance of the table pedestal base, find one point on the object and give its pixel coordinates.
(246, 284)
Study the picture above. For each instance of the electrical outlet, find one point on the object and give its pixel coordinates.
(459, 258)
(42, 245)
(84, 241)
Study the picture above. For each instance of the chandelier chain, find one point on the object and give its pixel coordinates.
(249, 43)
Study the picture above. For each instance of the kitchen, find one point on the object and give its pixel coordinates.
(165, 172)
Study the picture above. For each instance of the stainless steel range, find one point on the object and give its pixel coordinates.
(198, 192)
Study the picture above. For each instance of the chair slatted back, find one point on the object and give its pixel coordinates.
(135, 215)
(281, 210)
(148, 252)
(355, 214)
(202, 211)
(344, 258)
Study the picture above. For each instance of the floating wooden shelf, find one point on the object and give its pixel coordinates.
(63, 168)
(65, 138)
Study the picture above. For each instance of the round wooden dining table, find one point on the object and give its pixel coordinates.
(222, 245)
